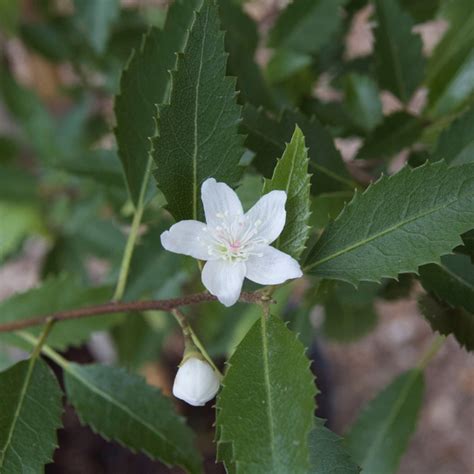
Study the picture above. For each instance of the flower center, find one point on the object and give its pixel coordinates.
(234, 238)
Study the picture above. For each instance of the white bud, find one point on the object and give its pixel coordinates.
(196, 382)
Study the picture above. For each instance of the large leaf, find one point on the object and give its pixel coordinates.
(291, 175)
(381, 433)
(389, 228)
(447, 320)
(306, 25)
(452, 280)
(349, 312)
(30, 414)
(198, 135)
(327, 454)
(144, 84)
(266, 406)
(266, 136)
(456, 144)
(396, 132)
(59, 294)
(241, 41)
(95, 20)
(398, 51)
(122, 407)
(451, 67)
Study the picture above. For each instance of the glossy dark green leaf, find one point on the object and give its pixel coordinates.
(30, 414)
(241, 40)
(388, 229)
(95, 20)
(456, 144)
(327, 453)
(362, 99)
(197, 131)
(122, 407)
(266, 406)
(398, 131)
(59, 294)
(266, 137)
(291, 175)
(306, 25)
(144, 84)
(452, 280)
(448, 320)
(381, 433)
(349, 312)
(398, 51)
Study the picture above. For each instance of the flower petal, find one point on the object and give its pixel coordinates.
(219, 199)
(272, 268)
(269, 215)
(187, 238)
(224, 279)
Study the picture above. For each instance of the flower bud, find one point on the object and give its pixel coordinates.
(196, 382)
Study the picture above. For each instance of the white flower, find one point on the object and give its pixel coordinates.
(196, 382)
(235, 245)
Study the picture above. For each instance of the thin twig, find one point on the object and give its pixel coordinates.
(116, 307)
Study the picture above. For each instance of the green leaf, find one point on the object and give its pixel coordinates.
(396, 132)
(349, 312)
(306, 25)
(456, 144)
(9, 15)
(265, 409)
(327, 453)
(95, 20)
(381, 433)
(241, 42)
(447, 320)
(326, 207)
(18, 222)
(452, 280)
(468, 240)
(144, 84)
(291, 175)
(198, 135)
(398, 51)
(421, 10)
(389, 228)
(30, 414)
(363, 101)
(122, 407)
(54, 295)
(451, 67)
(267, 137)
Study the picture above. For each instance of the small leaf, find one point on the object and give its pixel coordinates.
(59, 294)
(95, 20)
(198, 135)
(122, 407)
(363, 101)
(306, 25)
(327, 453)
(452, 280)
(350, 312)
(144, 84)
(267, 137)
(381, 433)
(30, 414)
(456, 144)
(398, 51)
(451, 66)
(447, 320)
(396, 132)
(389, 228)
(266, 406)
(291, 175)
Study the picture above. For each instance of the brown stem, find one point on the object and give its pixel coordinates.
(132, 306)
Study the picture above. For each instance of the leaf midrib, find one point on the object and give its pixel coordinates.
(16, 416)
(376, 236)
